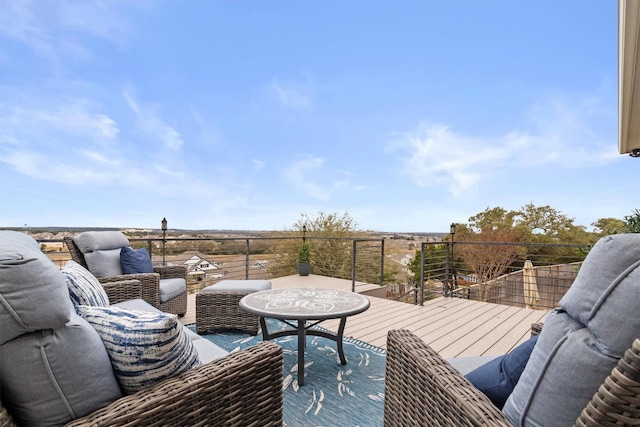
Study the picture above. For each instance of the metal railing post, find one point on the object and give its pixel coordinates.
(447, 271)
(246, 264)
(353, 266)
(382, 262)
(421, 298)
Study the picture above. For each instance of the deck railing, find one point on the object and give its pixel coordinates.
(499, 272)
(211, 259)
(483, 271)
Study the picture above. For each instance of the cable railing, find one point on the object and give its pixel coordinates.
(517, 274)
(483, 271)
(212, 259)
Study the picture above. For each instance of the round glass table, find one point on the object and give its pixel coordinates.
(302, 309)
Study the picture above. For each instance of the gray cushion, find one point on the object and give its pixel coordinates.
(104, 263)
(207, 351)
(68, 370)
(582, 342)
(606, 293)
(465, 365)
(239, 286)
(171, 288)
(137, 304)
(91, 241)
(144, 347)
(33, 291)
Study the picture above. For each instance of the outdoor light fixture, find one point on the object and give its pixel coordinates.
(452, 228)
(304, 233)
(164, 240)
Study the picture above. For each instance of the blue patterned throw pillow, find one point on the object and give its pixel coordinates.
(144, 347)
(84, 288)
(135, 261)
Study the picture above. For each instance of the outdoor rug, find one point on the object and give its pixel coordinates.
(350, 395)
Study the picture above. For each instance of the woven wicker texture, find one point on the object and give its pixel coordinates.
(5, 419)
(422, 389)
(241, 389)
(123, 290)
(220, 310)
(150, 282)
(617, 401)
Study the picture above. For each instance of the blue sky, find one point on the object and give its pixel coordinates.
(408, 115)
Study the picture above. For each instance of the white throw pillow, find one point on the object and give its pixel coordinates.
(144, 347)
(84, 288)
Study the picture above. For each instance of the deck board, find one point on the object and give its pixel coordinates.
(452, 326)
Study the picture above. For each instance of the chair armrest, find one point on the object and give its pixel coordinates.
(241, 389)
(536, 328)
(171, 271)
(423, 389)
(123, 290)
(616, 401)
(150, 285)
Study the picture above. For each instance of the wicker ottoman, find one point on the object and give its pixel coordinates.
(217, 306)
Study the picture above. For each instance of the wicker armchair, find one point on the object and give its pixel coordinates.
(150, 283)
(241, 389)
(422, 389)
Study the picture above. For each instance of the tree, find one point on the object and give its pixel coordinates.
(328, 236)
(607, 226)
(543, 219)
(485, 259)
(529, 224)
(492, 219)
(632, 222)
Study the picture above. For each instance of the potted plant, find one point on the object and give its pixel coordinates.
(304, 259)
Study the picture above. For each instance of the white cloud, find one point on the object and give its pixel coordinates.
(290, 97)
(297, 174)
(71, 117)
(434, 155)
(150, 123)
(258, 166)
(51, 28)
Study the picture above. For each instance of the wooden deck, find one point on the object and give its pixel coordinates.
(454, 327)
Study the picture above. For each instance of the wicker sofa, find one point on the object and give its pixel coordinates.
(56, 369)
(422, 389)
(583, 370)
(241, 389)
(151, 282)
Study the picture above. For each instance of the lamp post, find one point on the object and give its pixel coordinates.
(164, 240)
(304, 233)
(452, 231)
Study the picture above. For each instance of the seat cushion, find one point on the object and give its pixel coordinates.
(137, 304)
(84, 288)
(583, 340)
(144, 347)
(104, 263)
(239, 286)
(33, 291)
(68, 370)
(171, 288)
(135, 261)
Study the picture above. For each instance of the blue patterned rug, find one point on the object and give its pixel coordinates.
(350, 395)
